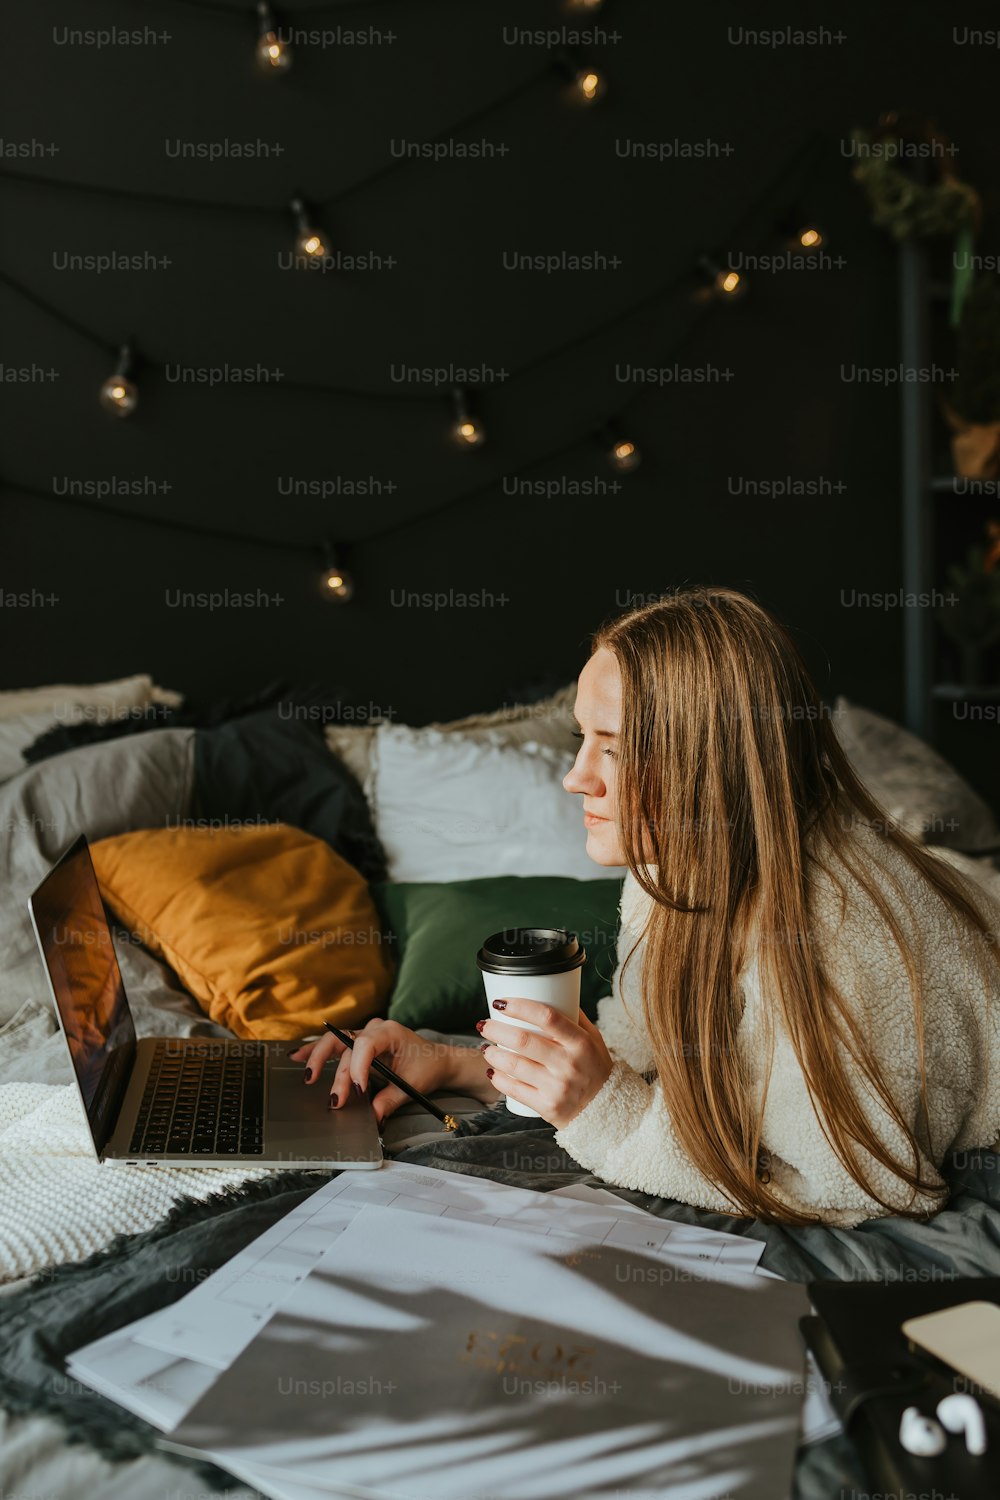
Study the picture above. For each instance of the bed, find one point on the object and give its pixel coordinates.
(55, 1437)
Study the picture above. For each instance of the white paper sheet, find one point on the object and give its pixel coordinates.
(218, 1318)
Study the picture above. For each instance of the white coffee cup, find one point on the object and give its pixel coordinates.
(532, 963)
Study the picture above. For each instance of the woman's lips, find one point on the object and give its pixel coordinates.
(591, 820)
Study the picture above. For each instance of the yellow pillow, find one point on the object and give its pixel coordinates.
(267, 927)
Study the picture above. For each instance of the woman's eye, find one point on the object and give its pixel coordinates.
(578, 734)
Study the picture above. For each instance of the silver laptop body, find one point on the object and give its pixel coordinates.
(177, 1101)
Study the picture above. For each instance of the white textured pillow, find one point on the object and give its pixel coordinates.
(548, 722)
(448, 807)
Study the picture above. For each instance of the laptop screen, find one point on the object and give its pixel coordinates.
(76, 945)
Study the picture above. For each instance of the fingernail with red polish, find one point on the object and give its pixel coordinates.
(309, 1075)
(479, 1026)
(490, 1072)
(333, 1101)
(358, 1089)
(484, 1045)
(499, 1005)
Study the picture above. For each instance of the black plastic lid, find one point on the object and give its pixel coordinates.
(531, 950)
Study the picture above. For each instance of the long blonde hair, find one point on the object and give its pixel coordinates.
(731, 788)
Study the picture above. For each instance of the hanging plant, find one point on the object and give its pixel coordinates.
(904, 167)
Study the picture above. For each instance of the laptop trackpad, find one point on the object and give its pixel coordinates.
(291, 1100)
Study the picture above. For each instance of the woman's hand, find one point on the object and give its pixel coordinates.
(427, 1065)
(558, 1072)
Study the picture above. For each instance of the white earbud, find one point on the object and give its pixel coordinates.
(962, 1413)
(921, 1435)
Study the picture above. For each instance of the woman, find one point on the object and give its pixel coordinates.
(805, 1018)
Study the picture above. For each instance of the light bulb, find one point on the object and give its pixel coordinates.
(336, 583)
(723, 282)
(590, 84)
(120, 394)
(467, 429)
(809, 238)
(625, 455)
(337, 586)
(800, 232)
(272, 53)
(310, 243)
(308, 240)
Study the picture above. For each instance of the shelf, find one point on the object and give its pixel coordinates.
(945, 484)
(954, 691)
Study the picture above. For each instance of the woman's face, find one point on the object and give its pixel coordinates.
(597, 711)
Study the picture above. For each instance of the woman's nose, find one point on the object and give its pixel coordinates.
(580, 778)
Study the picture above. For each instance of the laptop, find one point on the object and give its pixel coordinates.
(177, 1101)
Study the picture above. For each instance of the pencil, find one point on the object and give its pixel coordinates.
(449, 1121)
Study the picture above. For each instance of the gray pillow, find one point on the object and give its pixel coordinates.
(141, 781)
(915, 785)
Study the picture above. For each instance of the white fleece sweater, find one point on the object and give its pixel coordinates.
(625, 1135)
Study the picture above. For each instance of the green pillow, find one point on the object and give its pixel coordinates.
(438, 928)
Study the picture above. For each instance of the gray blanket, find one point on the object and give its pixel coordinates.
(41, 1324)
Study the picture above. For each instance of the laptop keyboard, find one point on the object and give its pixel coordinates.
(202, 1103)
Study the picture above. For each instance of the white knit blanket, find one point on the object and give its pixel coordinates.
(57, 1203)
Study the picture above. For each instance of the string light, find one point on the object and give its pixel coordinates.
(591, 84)
(625, 455)
(308, 240)
(467, 429)
(119, 393)
(337, 584)
(801, 233)
(726, 283)
(810, 238)
(587, 83)
(272, 53)
(622, 451)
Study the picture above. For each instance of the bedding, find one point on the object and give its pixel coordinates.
(168, 711)
(100, 791)
(437, 929)
(103, 699)
(59, 1203)
(916, 786)
(447, 807)
(44, 1321)
(151, 780)
(27, 714)
(266, 926)
(546, 722)
(248, 771)
(263, 766)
